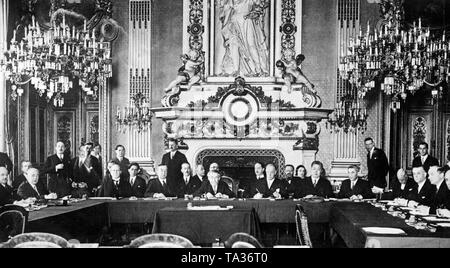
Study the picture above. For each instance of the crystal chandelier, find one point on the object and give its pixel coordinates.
(52, 60)
(138, 116)
(348, 116)
(400, 59)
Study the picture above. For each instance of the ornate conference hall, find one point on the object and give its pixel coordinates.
(224, 124)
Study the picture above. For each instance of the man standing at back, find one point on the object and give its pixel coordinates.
(378, 166)
(57, 168)
(121, 160)
(424, 159)
(6, 162)
(174, 160)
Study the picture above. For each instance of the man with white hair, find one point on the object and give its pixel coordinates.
(214, 187)
(402, 185)
(114, 185)
(32, 188)
(6, 192)
(159, 188)
(24, 167)
(270, 186)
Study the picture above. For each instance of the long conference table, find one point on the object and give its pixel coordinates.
(346, 218)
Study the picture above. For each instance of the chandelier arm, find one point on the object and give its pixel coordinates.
(433, 85)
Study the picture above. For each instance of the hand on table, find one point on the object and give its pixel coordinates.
(356, 197)
(210, 196)
(424, 210)
(59, 167)
(277, 194)
(51, 196)
(159, 196)
(445, 213)
(401, 202)
(258, 196)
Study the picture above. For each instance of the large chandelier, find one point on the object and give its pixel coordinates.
(137, 117)
(52, 60)
(400, 59)
(348, 116)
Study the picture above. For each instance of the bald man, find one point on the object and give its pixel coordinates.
(6, 191)
(270, 187)
(403, 185)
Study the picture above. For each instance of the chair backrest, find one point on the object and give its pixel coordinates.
(37, 244)
(36, 239)
(241, 244)
(161, 240)
(13, 220)
(242, 237)
(232, 184)
(301, 221)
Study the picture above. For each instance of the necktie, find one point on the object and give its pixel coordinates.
(36, 190)
(352, 185)
(132, 181)
(186, 180)
(164, 185)
(315, 182)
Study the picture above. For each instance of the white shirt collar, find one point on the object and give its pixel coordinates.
(371, 152)
(439, 185)
(270, 182)
(421, 186)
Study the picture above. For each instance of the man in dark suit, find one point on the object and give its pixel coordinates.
(121, 160)
(59, 174)
(114, 185)
(5, 161)
(214, 187)
(270, 187)
(94, 159)
(317, 185)
(294, 184)
(24, 167)
(138, 184)
(158, 188)
(200, 173)
(402, 186)
(355, 188)
(424, 159)
(32, 188)
(173, 160)
(249, 184)
(424, 193)
(190, 184)
(377, 164)
(442, 197)
(6, 192)
(84, 175)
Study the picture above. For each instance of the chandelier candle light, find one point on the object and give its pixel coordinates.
(137, 116)
(51, 60)
(402, 60)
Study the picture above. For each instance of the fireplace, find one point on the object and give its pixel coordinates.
(238, 163)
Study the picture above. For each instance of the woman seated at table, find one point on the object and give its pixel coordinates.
(32, 188)
(355, 188)
(114, 185)
(214, 187)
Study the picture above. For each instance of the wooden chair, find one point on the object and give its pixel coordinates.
(13, 220)
(162, 241)
(242, 237)
(232, 184)
(37, 240)
(301, 221)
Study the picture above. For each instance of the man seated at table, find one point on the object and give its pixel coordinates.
(270, 187)
(24, 167)
(138, 184)
(6, 191)
(402, 185)
(294, 184)
(422, 194)
(114, 185)
(32, 188)
(355, 188)
(85, 179)
(441, 198)
(317, 184)
(158, 188)
(445, 211)
(190, 184)
(248, 185)
(214, 187)
(200, 173)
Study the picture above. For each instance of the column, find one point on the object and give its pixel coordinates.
(3, 97)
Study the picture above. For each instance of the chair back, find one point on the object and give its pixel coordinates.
(160, 240)
(241, 244)
(37, 240)
(301, 221)
(13, 220)
(232, 184)
(242, 237)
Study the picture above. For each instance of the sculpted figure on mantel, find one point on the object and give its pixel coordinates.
(244, 38)
(190, 72)
(290, 69)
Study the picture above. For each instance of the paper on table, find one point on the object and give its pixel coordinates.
(444, 225)
(210, 208)
(384, 231)
(436, 219)
(102, 198)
